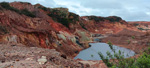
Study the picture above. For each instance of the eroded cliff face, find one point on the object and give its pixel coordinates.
(53, 28)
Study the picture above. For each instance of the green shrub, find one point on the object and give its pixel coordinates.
(63, 21)
(95, 18)
(3, 30)
(0, 8)
(109, 43)
(83, 26)
(119, 61)
(75, 17)
(27, 13)
(43, 8)
(25, 3)
(128, 41)
(113, 19)
(99, 19)
(6, 5)
(133, 37)
(62, 16)
(143, 61)
(58, 13)
(140, 28)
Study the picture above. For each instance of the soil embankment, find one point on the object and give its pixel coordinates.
(136, 41)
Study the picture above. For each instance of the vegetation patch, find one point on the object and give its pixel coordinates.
(83, 26)
(128, 41)
(74, 17)
(95, 18)
(62, 16)
(25, 3)
(133, 37)
(100, 19)
(3, 30)
(1, 8)
(113, 19)
(118, 60)
(27, 13)
(6, 6)
(140, 28)
(43, 8)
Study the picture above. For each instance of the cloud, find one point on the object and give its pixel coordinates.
(103, 4)
(129, 10)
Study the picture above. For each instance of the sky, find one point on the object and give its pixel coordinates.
(129, 10)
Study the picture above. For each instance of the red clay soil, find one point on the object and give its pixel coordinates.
(139, 22)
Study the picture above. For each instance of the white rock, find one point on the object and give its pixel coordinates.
(42, 60)
(29, 59)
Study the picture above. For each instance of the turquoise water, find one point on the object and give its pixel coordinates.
(91, 53)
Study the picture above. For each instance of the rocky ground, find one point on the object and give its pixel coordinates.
(20, 56)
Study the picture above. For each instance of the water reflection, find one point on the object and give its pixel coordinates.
(91, 53)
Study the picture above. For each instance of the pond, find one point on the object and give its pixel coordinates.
(91, 53)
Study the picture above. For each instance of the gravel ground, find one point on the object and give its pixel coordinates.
(20, 56)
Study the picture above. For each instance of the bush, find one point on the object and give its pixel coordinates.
(3, 30)
(6, 5)
(43, 8)
(27, 13)
(62, 16)
(83, 26)
(133, 37)
(25, 3)
(61, 19)
(75, 17)
(95, 18)
(143, 61)
(118, 60)
(0, 8)
(128, 41)
(109, 43)
(64, 21)
(140, 28)
(113, 19)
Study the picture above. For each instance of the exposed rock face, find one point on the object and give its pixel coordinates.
(40, 31)
(53, 28)
(141, 25)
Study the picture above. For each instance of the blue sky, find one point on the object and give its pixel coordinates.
(129, 10)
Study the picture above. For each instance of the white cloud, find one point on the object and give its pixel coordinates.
(130, 10)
